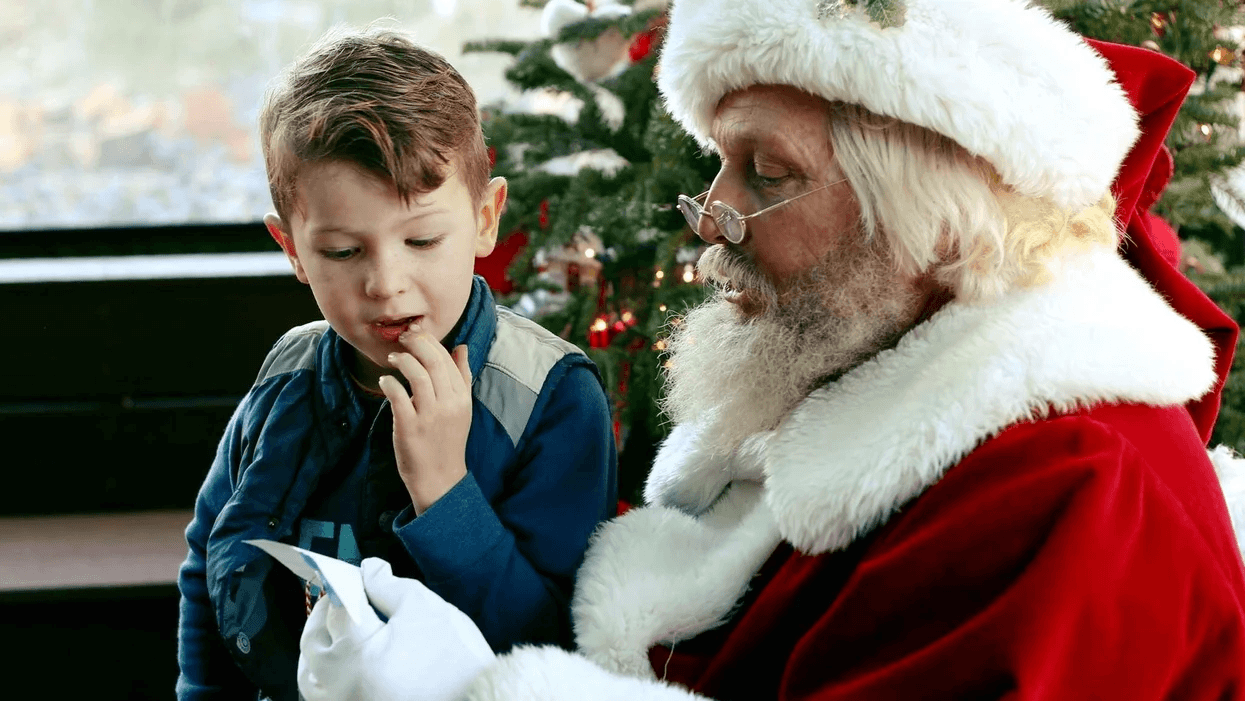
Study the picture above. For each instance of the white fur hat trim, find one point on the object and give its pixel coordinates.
(1005, 80)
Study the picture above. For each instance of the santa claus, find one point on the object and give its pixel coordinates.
(940, 431)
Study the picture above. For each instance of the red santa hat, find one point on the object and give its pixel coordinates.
(1001, 78)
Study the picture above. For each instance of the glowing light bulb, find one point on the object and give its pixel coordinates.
(590, 253)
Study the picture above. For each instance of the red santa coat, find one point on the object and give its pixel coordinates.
(1015, 502)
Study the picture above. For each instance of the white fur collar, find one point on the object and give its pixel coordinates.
(854, 451)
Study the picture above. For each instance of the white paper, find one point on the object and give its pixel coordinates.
(341, 581)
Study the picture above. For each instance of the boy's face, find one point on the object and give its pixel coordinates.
(376, 264)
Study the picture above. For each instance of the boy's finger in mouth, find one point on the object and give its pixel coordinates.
(392, 329)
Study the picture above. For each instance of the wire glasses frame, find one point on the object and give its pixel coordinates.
(730, 222)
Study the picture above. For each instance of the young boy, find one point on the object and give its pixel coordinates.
(481, 471)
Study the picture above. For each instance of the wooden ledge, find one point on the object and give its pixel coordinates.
(76, 551)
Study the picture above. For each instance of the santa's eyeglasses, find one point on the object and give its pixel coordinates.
(730, 222)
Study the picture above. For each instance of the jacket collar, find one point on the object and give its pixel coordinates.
(477, 327)
(854, 451)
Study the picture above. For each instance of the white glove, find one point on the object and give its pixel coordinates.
(428, 650)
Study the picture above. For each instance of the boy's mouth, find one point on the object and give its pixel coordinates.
(390, 329)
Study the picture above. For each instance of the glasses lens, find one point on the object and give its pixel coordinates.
(729, 221)
(691, 211)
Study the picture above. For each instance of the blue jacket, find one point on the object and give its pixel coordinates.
(502, 545)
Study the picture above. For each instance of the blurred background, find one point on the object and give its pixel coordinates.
(143, 112)
(139, 292)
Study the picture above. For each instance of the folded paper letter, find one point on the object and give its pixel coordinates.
(341, 581)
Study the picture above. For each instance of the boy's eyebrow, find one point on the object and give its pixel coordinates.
(319, 231)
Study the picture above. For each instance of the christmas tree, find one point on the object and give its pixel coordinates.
(595, 167)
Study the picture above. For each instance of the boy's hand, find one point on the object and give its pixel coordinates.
(430, 425)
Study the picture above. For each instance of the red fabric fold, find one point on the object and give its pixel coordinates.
(1156, 86)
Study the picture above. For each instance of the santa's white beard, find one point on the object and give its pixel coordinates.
(738, 375)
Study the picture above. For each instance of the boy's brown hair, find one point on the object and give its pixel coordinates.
(376, 99)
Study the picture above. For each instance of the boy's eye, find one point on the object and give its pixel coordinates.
(425, 243)
(338, 253)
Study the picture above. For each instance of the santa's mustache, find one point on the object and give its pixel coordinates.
(729, 269)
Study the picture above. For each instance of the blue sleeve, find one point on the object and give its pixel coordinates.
(512, 569)
(206, 670)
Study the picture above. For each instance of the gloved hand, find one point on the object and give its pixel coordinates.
(427, 651)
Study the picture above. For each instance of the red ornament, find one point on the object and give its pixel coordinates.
(603, 292)
(544, 214)
(1160, 21)
(641, 46)
(624, 374)
(492, 157)
(599, 333)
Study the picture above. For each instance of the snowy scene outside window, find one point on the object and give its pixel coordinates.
(135, 112)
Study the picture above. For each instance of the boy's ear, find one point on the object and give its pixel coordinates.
(491, 207)
(280, 232)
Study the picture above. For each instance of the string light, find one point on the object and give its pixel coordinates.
(660, 345)
(600, 324)
(661, 307)
(660, 274)
(1205, 129)
(1158, 21)
(689, 273)
(627, 317)
(590, 253)
(1222, 56)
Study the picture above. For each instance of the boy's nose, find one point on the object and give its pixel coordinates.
(386, 279)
